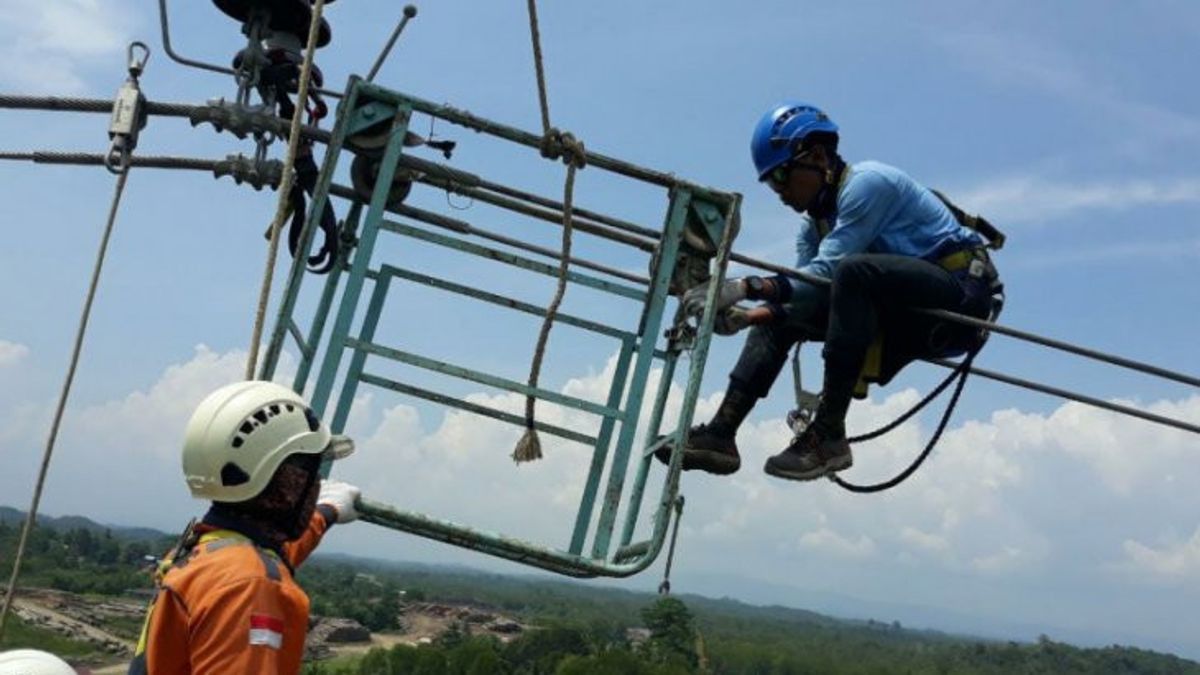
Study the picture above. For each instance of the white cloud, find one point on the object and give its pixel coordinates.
(52, 44)
(1057, 497)
(827, 541)
(1008, 559)
(1176, 561)
(12, 353)
(924, 541)
(1029, 199)
(152, 421)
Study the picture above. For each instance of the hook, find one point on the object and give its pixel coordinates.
(137, 65)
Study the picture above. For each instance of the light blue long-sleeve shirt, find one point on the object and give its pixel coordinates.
(880, 209)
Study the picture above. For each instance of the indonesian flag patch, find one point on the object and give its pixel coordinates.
(266, 630)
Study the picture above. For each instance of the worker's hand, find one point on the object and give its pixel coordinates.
(729, 294)
(342, 497)
(731, 321)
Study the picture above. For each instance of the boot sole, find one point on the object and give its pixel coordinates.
(710, 461)
(832, 466)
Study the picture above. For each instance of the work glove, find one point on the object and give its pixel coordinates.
(731, 292)
(731, 321)
(342, 497)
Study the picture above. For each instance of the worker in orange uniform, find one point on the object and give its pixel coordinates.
(227, 602)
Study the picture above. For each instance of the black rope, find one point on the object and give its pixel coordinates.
(961, 373)
(872, 435)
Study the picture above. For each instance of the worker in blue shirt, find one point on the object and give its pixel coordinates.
(886, 243)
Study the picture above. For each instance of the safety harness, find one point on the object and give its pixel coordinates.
(184, 548)
(971, 262)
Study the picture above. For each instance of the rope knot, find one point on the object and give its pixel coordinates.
(558, 144)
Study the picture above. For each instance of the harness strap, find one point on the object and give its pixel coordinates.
(979, 224)
(825, 225)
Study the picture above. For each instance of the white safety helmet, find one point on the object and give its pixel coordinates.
(32, 662)
(241, 433)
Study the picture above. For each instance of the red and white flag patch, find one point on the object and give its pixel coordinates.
(266, 630)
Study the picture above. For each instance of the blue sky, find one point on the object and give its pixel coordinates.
(1073, 126)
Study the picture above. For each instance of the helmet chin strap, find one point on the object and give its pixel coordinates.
(824, 204)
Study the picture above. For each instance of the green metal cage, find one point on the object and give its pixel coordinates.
(692, 246)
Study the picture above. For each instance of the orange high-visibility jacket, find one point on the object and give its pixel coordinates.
(229, 607)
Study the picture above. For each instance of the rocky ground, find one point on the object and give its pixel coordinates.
(104, 623)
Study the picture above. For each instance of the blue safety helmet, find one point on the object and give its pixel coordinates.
(778, 135)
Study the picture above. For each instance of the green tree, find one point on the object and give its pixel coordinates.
(539, 651)
(672, 633)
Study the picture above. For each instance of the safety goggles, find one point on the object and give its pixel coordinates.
(778, 176)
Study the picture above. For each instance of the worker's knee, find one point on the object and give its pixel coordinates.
(855, 271)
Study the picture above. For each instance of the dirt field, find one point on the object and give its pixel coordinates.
(110, 624)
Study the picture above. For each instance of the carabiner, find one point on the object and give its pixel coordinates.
(137, 65)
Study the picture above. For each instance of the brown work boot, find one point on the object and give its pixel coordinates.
(810, 456)
(707, 450)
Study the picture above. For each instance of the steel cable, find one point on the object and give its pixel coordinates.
(62, 398)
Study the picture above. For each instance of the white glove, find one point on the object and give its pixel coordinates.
(342, 497)
(731, 321)
(731, 292)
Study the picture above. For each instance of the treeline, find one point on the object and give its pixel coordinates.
(585, 630)
(670, 648)
(83, 559)
(340, 590)
(582, 629)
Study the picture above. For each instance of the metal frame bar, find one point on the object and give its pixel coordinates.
(300, 260)
(435, 397)
(637, 351)
(363, 347)
(362, 256)
(587, 500)
(332, 281)
(650, 326)
(468, 120)
(514, 260)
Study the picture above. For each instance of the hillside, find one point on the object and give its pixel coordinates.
(460, 620)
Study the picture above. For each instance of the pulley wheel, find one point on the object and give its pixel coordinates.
(364, 173)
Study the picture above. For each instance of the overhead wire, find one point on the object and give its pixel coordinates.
(77, 158)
